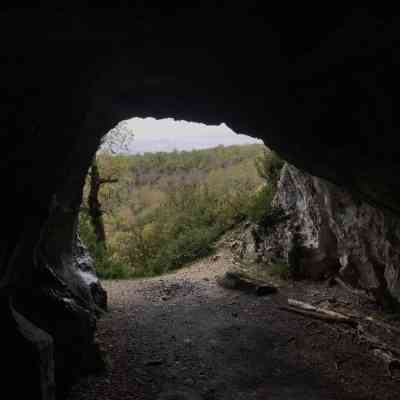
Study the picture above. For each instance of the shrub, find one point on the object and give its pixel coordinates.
(106, 267)
(280, 269)
(269, 166)
(260, 209)
(187, 247)
(180, 231)
(260, 204)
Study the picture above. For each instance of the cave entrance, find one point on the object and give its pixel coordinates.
(163, 195)
(161, 192)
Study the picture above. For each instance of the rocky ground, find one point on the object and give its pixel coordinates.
(183, 337)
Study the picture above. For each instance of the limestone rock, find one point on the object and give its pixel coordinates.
(85, 268)
(65, 297)
(330, 231)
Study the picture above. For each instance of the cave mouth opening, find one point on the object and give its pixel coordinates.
(160, 192)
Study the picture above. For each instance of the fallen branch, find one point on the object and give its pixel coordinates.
(103, 181)
(323, 314)
(388, 353)
(316, 315)
(384, 325)
(353, 291)
(375, 342)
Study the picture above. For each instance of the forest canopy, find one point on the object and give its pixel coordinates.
(163, 210)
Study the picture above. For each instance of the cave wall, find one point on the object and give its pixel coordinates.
(320, 90)
(62, 297)
(326, 82)
(325, 232)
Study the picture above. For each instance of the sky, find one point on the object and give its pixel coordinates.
(151, 135)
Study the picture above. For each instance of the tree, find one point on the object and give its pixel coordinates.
(117, 139)
(94, 205)
(114, 142)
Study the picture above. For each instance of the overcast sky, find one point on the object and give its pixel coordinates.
(151, 135)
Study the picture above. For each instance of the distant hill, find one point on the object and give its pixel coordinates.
(148, 135)
(142, 144)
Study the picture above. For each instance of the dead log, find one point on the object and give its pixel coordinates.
(323, 314)
(317, 315)
(237, 281)
(388, 353)
(356, 292)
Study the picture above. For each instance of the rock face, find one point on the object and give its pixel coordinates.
(65, 299)
(328, 231)
(61, 296)
(33, 352)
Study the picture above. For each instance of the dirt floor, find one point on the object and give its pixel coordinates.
(181, 336)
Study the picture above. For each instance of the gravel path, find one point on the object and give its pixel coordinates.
(182, 337)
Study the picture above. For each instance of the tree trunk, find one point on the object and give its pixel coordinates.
(95, 212)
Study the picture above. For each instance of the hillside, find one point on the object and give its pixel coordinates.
(166, 209)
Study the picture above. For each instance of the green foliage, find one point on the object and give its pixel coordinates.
(280, 269)
(260, 204)
(260, 209)
(106, 267)
(269, 166)
(181, 230)
(167, 209)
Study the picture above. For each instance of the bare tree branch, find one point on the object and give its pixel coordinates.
(102, 181)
